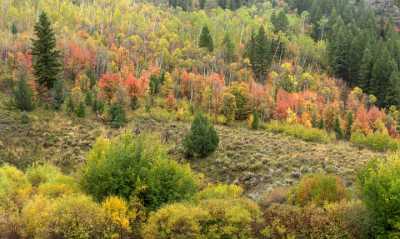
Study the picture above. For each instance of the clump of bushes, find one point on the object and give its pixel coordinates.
(299, 131)
(130, 166)
(318, 189)
(376, 141)
(117, 116)
(202, 140)
(220, 212)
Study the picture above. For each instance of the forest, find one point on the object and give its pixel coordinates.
(199, 119)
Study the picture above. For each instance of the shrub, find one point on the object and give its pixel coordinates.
(380, 191)
(229, 107)
(242, 95)
(81, 110)
(179, 221)
(23, 96)
(58, 94)
(76, 216)
(136, 166)
(227, 215)
(254, 121)
(318, 189)
(202, 140)
(36, 217)
(376, 141)
(117, 217)
(299, 131)
(117, 115)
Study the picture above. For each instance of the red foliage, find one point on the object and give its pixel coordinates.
(108, 85)
(286, 101)
(361, 122)
(374, 114)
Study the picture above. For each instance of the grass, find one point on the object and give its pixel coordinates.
(300, 132)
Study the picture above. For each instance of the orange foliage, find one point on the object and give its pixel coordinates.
(108, 85)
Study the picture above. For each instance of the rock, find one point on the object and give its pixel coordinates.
(296, 174)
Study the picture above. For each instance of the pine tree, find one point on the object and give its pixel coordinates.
(393, 94)
(14, 29)
(338, 129)
(202, 4)
(364, 74)
(260, 54)
(202, 140)
(45, 55)
(222, 3)
(349, 125)
(383, 68)
(23, 98)
(280, 21)
(229, 49)
(206, 40)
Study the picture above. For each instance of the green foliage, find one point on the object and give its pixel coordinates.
(156, 83)
(202, 140)
(280, 21)
(380, 190)
(229, 49)
(349, 125)
(299, 131)
(81, 110)
(23, 98)
(58, 94)
(338, 129)
(376, 141)
(319, 189)
(129, 167)
(259, 51)
(45, 56)
(206, 40)
(255, 122)
(116, 114)
(229, 107)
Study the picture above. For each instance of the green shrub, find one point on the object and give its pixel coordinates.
(117, 116)
(89, 98)
(23, 96)
(376, 141)
(131, 166)
(380, 190)
(81, 110)
(318, 189)
(299, 131)
(58, 94)
(202, 140)
(229, 107)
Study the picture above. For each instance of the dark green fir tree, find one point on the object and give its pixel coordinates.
(206, 40)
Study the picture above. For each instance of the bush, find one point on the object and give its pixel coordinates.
(117, 115)
(202, 140)
(254, 121)
(81, 110)
(36, 217)
(229, 107)
(380, 190)
(23, 96)
(375, 141)
(117, 217)
(131, 166)
(299, 131)
(318, 189)
(228, 215)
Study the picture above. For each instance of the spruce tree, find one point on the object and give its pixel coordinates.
(23, 96)
(260, 54)
(280, 21)
(202, 140)
(393, 93)
(46, 63)
(364, 73)
(206, 40)
(229, 49)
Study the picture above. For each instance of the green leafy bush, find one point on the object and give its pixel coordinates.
(380, 190)
(376, 141)
(299, 131)
(318, 189)
(130, 166)
(202, 140)
(81, 110)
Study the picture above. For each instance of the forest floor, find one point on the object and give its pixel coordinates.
(256, 160)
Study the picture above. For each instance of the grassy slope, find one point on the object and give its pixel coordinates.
(257, 160)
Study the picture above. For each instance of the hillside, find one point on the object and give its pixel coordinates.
(257, 160)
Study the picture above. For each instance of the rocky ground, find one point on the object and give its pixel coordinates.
(257, 160)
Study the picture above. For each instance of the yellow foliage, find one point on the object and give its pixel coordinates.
(117, 216)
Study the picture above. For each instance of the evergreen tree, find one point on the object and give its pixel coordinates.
(235, 4)
(349, 125)
(364, 74)
(393, 92)
(338, 129)
(202, 4)
(14, 29)
(202, 140)
(23, 99)
(222, 3)
(46, 63)
(280, 21)
(206, 40)
(382, 70)
(229, 49)
(260, 54)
